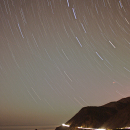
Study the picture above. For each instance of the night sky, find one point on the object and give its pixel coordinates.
(57, 56)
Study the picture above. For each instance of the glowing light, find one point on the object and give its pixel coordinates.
(100, 129)
(65, 125)
(85, 128)
(90, 128)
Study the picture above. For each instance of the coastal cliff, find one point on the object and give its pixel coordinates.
(111, 115)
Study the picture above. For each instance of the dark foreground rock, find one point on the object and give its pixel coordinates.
(61, 128)
(112, 115)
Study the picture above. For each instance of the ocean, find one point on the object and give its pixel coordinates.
(27, 127)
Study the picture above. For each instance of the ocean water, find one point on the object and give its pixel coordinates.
(27, 127)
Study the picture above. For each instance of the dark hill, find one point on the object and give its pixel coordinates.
(122, 103)
(120, 119)
(112, 115)
(91, 117)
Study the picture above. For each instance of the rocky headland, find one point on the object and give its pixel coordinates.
(112, 115)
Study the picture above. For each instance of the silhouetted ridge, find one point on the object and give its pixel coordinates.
(91, 116)
(111, 115)
(120, 119)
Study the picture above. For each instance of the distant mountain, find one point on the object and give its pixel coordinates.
(111, 115)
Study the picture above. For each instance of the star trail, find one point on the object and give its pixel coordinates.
(57, 56)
